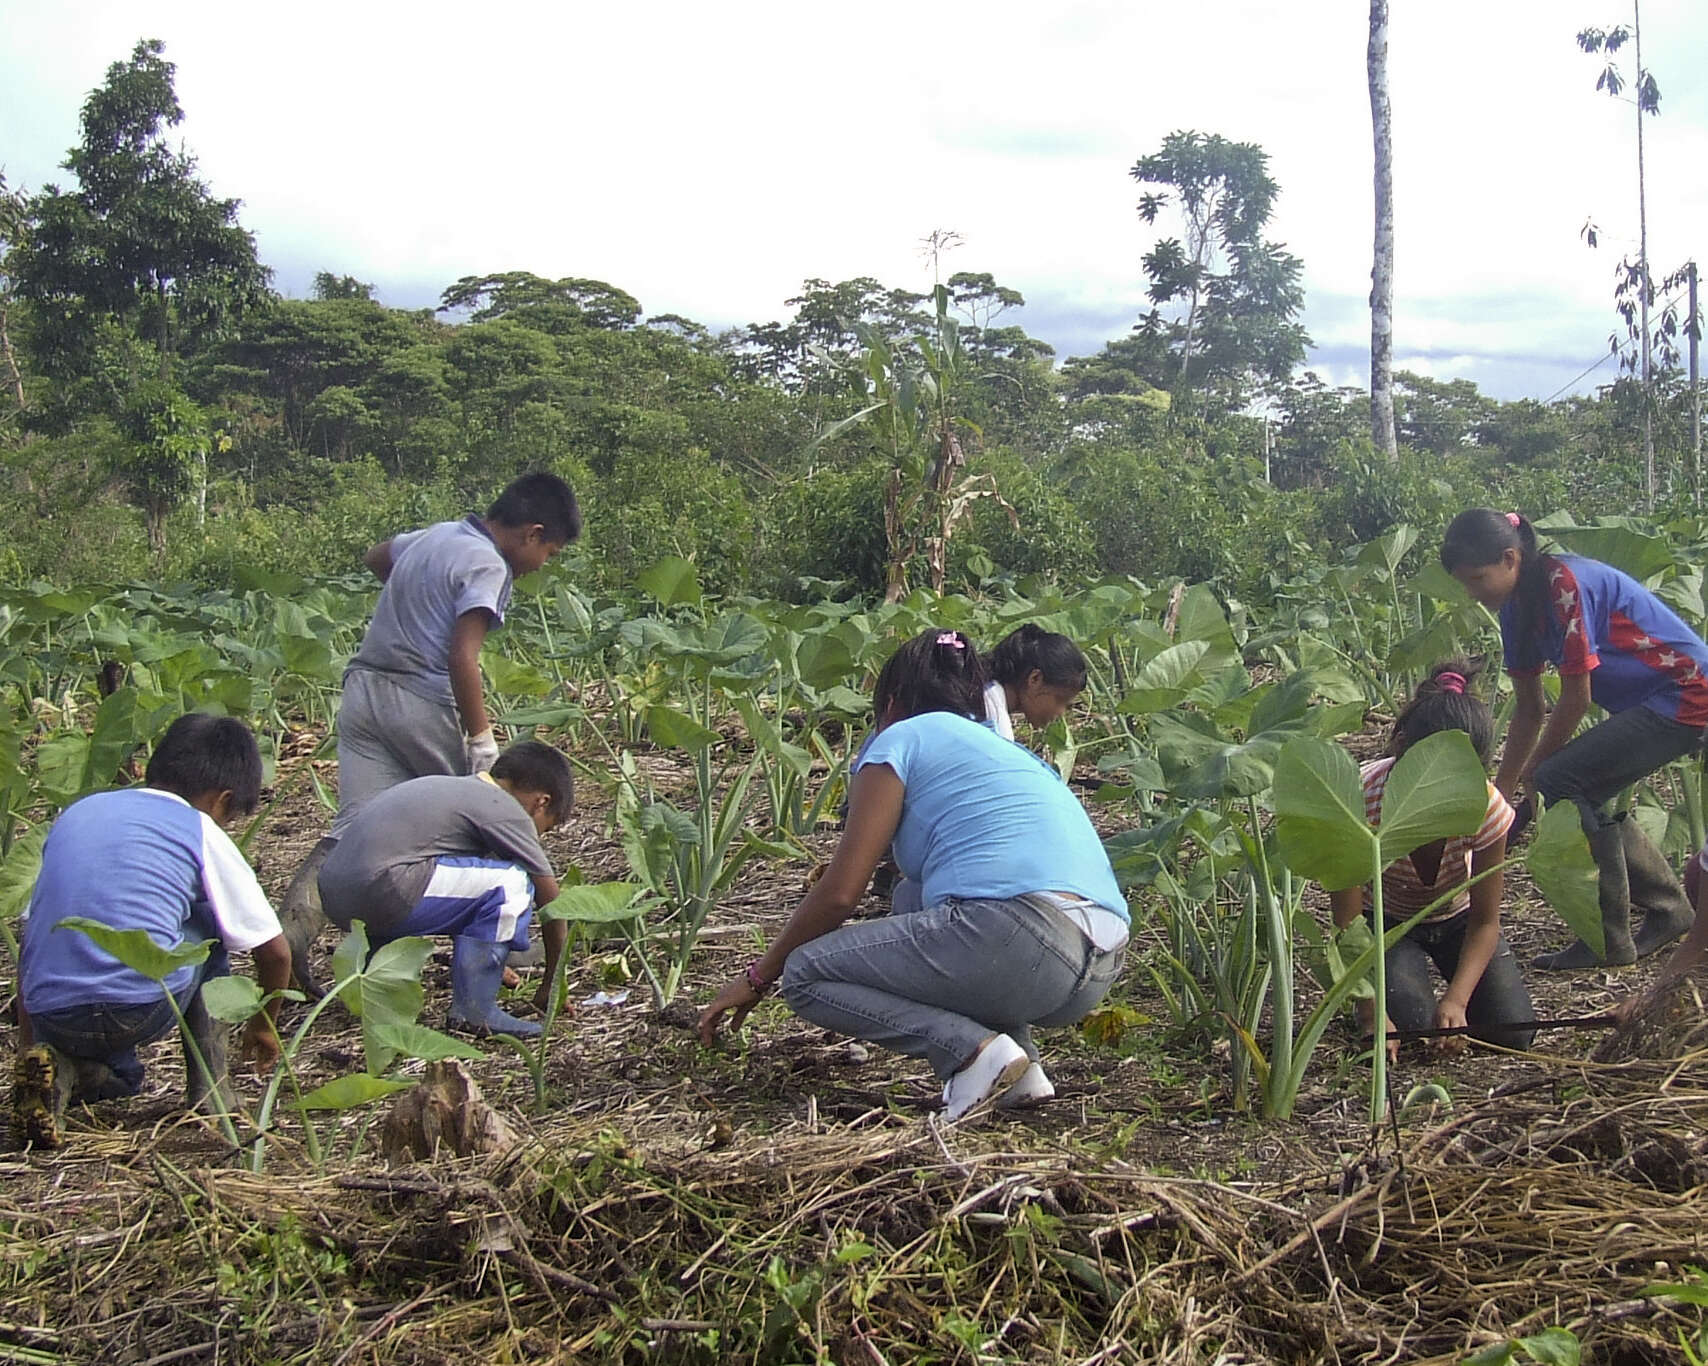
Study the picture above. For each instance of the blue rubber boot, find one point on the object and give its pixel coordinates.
(477, 971)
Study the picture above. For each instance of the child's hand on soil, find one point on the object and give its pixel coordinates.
(738, 997)
(260, 1048)
(1449, 1014)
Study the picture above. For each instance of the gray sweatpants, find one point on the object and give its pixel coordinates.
(388, 735)
(938, 983)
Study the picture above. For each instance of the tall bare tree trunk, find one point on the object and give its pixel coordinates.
(1643, 263)
(1382, 268)
(14, 377)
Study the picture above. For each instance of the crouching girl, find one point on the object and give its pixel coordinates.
(1462, 937)
(1024, 924)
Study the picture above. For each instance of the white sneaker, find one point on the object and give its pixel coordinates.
(1033, 1088)
(999, 1064)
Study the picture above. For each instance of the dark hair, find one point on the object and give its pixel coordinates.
(1480, 536)
(202, 754)
(534, 766)
(542, 499)
(1030, 647)
(935, 671)
(1439, 705)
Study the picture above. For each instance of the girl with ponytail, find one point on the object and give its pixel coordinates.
(1462, 938)
(1034, 672)
(1023, 922)
(1614, 643)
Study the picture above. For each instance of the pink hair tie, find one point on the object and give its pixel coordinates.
(1514, 518)
(1450, 682)
(950, 638)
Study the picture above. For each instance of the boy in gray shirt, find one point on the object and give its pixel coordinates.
(413, 703)
(460, 857)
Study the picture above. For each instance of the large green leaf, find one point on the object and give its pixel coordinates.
(1433, 581)
(1388, 550)
(672, 581)
(136, 950)
(1564, 872)
(823, 659)
(599, 903)
(61, 764)
(1438, 788)
(1163, 681)
(231, 998)
(385, 989)
(1202, 618)
(346, 1093)
(1284, 705)
(113, 737)
(1617, 541)
(418, 1041)
(674, 730)
(18, 873)
(1319, 814)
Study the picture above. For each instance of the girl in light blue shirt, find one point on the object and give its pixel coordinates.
(1023, 925)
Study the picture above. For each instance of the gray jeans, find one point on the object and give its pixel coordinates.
(938, 983)
(388, 735)
(1500, 1000)
(1606, 759)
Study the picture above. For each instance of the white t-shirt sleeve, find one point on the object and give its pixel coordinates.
(480, 584)
(245, 916)
(996, 710)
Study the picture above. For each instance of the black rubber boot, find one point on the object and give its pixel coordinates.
(302, 918)
(1607, 845)
(1655, 891)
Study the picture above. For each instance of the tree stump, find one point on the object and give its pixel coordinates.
(445, 1114)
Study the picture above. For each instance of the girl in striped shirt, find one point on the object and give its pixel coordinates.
(1462, 936)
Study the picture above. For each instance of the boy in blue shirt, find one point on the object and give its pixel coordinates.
(153, 858)
(459, 857)
(413, 704)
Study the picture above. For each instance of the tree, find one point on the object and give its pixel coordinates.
(817, 350)
(1635, 292)
(1239, 293)
(330, 286)
(554, 306)
(166, 451)
(125, 270)
(142, 243)
(1382, 268)
(14, 220)
(1440, 416)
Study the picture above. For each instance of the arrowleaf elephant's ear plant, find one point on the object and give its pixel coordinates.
(1436, 789)
(383, 989)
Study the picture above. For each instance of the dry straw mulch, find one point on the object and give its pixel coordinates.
(647, 1234)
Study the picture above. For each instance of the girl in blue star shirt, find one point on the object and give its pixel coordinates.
(1614, 643)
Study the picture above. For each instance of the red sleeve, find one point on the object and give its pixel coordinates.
(1577, 644)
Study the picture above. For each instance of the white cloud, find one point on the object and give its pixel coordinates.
(709, 158)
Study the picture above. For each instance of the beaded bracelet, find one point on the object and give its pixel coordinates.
(754, 980)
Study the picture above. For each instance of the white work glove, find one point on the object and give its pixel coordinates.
(482, 751)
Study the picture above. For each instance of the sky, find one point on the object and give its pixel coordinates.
(708, 158)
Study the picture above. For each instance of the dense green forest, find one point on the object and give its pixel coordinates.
(166, 413)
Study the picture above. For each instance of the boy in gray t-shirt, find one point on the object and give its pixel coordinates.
(459, 857)
(413, 703)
